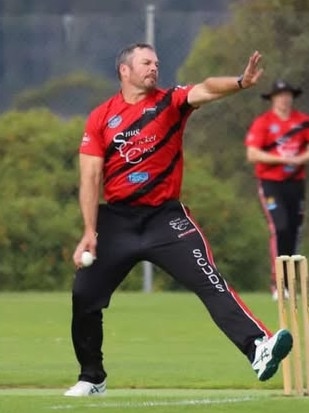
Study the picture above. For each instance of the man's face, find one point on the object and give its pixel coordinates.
(141, 70)
(283, 100)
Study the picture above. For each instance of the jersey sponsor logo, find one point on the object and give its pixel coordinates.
(150, 110)
(131, 150)
(288, 149)
(285, 138)
(289, 168)
(125, 148)
(114, 121)
(138, 177)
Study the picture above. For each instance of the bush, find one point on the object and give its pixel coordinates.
(233, 224)
(40, 221)
(40, 218)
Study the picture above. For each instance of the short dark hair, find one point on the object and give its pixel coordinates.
(124, 55)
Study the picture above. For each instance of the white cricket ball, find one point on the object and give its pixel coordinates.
(87, 259)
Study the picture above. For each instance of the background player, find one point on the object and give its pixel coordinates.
(277, 143)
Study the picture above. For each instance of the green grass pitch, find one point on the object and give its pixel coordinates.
(162, 351)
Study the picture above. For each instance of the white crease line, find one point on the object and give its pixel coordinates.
(193, 402)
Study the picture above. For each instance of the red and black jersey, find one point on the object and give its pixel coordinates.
(288, 137)
(141, 145)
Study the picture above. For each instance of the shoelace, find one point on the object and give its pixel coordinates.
(260, 340)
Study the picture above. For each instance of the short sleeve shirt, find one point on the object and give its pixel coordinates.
(287, 138)
(141, 145)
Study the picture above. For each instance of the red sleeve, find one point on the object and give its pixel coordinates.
(180, 95)
(92, 140)
(257, 133)
(307, 129)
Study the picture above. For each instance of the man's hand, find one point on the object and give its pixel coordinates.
(87, 243)
(252, 72)
(213, 88)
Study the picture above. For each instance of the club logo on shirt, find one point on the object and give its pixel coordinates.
(274, 128)
(132, 150)
(138, 177)
(114, 121)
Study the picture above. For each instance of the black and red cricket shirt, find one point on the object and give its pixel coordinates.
(141, 145)
(288, 137)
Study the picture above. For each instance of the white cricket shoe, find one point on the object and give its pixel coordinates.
(270, 352)
(85, 388)
(275, 294)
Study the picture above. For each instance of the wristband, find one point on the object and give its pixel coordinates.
(239, 81)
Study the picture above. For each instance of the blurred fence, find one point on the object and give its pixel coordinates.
(36, 48)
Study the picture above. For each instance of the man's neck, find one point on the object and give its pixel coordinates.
(283, 114)
(133, 98)
(133, 95)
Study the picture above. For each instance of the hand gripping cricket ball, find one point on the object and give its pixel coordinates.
(87, 259)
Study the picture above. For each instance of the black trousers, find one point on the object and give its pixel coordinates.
(283, 205)
(168, 237)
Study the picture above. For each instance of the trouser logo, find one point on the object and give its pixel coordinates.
(208, 270)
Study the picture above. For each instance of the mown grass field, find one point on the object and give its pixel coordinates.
(162, 352)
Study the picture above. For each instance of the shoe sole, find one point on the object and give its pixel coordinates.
(94, 391)
(280, 351)
(96, 394)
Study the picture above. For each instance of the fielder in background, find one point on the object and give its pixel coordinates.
(132, 150)
(277, 143)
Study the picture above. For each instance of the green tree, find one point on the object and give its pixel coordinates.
(232, 224)
(74, 94)
(279, 30)
(39, 221)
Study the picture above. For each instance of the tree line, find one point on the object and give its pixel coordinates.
(40, 220)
